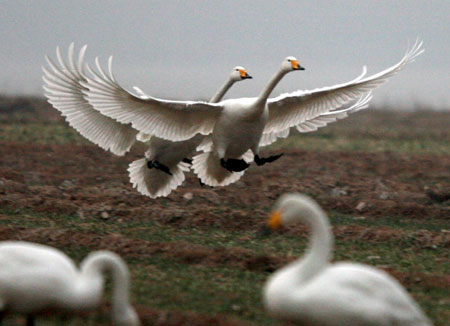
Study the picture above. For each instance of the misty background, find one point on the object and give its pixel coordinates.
(186, 49)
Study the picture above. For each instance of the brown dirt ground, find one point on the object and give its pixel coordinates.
(86, 180)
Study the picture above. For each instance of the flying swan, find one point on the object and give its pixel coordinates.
(312, 291)
(64, 91)
(171, 157)
(36, 278)
(236, 125)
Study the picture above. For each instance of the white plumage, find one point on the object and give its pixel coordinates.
(311, 291)
(156, 183)
(65, 91)
(321, 121)
(35, 278)
(237, 125)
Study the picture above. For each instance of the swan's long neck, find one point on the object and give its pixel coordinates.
(262, 98)
(319, 250)
(221, 92)
(101, 262)
(284, 282)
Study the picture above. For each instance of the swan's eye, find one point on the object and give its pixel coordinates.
(289, 60)
(237, 69)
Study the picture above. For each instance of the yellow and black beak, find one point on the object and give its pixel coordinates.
(295, 65)
(274, 221)
(244, 74)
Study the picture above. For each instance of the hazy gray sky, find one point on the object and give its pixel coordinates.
(185, 49)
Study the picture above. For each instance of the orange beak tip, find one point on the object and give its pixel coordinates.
(274, 220)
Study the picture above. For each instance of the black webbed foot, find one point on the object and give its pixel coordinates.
(234, 165)
(187, 160)
(159, 166)
(263, 160)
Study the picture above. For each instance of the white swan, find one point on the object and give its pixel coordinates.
(35, 278)
(64, 91)
(154, 183)
(237, 125)
(312, 291)
(170, 157)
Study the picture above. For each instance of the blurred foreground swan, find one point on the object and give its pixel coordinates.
(36, 278)
(236, 125)
(314, 292)
(162, 169)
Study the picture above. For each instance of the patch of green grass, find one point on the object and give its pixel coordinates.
(40, 133)
(395, 222)
(203, 289)
(335, 138)
(403, 252)
(336, 142)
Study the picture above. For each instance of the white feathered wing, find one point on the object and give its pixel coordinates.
(171, 120)
(289, 110)
(318, 122)
(64, 90)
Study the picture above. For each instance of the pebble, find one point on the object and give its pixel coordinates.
(361, 205)
(188, 196)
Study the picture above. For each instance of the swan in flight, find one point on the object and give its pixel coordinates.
(312, 291)
(236, 125)
(171, 157)
(36, 278)
(64, 91)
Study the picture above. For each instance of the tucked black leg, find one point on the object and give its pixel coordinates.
(187, 160)
(30, 321)
(263, 160)
(162, 167)
(234, 165)
(159, 166)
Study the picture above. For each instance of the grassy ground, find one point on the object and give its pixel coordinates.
(210, 272)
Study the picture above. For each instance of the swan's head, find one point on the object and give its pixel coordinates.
(239, 73)
(291, 64)
(291, 208)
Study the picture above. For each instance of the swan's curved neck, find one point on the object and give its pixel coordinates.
(262, 98)
(320, 246)
(298, 273)
(101, 262)
(221, 92)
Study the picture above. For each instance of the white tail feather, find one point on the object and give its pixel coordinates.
(155, 183)
(208, 169)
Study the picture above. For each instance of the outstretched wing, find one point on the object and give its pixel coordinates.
(329, 117)
(64, 91)
(171, 120)
(318, 122)
(288, 110)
